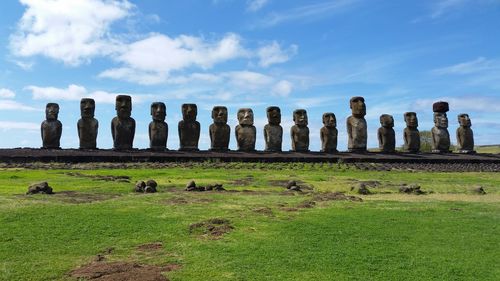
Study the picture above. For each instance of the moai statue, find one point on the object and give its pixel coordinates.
(245, 131)
(158, 129)
(300, 132)
(465, 136)
(219, 130)
(87, 125)
(273, 132)
(356, 126)
(411, 135)
(189, 128)
(328, 133)
(51, 128)
(385, 134)
(440, 136)
(123, 126)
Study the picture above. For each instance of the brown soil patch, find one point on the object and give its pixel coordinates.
(306, 205)
(213, 228)
(74, 197)
(289, 209)
(243, 181)
(149, 247)
(283, 183)
(121, 271)
(184, 201)
(264, 210)
(334, 196)
(100, 177)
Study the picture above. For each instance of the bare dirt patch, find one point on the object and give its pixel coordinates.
(74, 197)
(214, 228)
(264, 210)
(185, 201)
(150, 247)
(121, 271)
(336, 196)
(248, 180)
(100, 177)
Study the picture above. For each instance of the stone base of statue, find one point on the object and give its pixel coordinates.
(437, 151)
(189, 149)
(329, 151)
(358, 150)
(219, 149)
(158, 148)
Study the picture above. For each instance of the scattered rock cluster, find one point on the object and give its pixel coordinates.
(479, 190)
(146, 187)
(213, 228)
(292, 185)
(191, 186)
(40, 188)
(411, 189)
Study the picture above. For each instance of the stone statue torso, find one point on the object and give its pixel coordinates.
(465, 139)
(357, 132)
(123, 132)
(158, 134)
(51, 133)
(245, 137)
(300, 138)
(440, 139)
(412, 140)
(189, 134)
(87, 132)
(328, 139)
(273, 135)
(387, 139)
(219, 136)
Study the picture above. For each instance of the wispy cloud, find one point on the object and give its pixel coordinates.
(273, 53)
(6, 93)
(9, 125)
(310, 12)
(464, 104)
(478, 72)
(444, 8)
(255, 5)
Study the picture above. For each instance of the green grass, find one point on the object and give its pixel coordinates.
(450, 234)
(488, 149)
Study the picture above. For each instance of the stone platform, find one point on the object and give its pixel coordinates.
(26, 155)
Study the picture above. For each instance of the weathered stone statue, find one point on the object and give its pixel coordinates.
(385, 134)
(158, 129)
(51, 128)
(123, 126)
(245, 131)
(219, 130)
(411, 135)
(273, 132)
(328, 133)
(465, 136)
(356, 126)
(440, 136)
(300, 132)
(189, 128)
(87, 125)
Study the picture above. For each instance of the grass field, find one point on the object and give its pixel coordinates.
(488, 149)
(448, 234)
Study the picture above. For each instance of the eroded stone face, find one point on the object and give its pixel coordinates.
(87, 126)
(357, 130)
(386, 135)
(219, 131)
(245, 131)
(123, 126)
(440, 120)
(158, 129)
(51, 128)
(411, 135)
(273, 132)
(465, 135)
(329, 133)
(189, 128)
(300, 132)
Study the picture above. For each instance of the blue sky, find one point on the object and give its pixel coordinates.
(400, 55)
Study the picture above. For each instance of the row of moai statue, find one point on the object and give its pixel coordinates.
(123, 129)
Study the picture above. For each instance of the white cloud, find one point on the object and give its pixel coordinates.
(71, 31)
(151, 60)
(442, 7)
(308, 12)
(255, 5)
(283, 88)
(9, 125)
(463, 104)
(480, 64)
(14, 105)
(6, 93)
(76, 92)
(272, 54)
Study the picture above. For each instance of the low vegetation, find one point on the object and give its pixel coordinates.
(256, 229)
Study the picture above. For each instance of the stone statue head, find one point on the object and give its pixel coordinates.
(51, 111)
(329, 120)
(219, 114)
(273, 115)
(387, 121)
(300, 117)
(87, 108)
(189, 112)
(123, 106)
(158, 111)
(245, 116)
(411, 119)
(464, 120)
(440, 120)
(358, 107)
